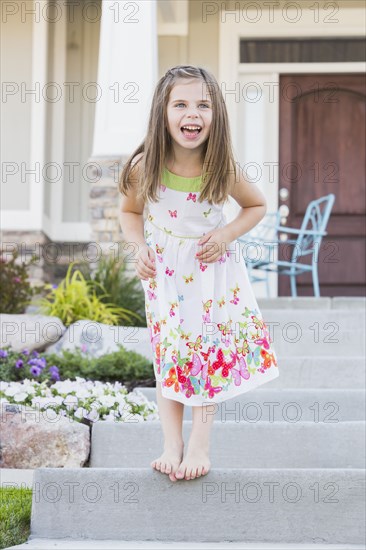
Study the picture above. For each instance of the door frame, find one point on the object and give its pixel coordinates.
(234, 75)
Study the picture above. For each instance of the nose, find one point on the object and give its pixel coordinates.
(193, 115)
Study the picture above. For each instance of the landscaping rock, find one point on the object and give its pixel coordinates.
(41, 439)
(33, 332)
(99, 339)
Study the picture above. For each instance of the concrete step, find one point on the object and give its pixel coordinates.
(343, 319)
(287, 405)
(306, 302)
(315, 332)
(329, 372)
(252, 505)
(300, 302)
(72, 544)
(236, 444)
(303, 372)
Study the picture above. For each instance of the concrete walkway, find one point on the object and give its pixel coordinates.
(49, 544)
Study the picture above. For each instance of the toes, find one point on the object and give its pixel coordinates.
(189, 474)
(172, 477)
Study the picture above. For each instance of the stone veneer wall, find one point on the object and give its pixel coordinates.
(53, 257)
(106, 233)
(104, 210)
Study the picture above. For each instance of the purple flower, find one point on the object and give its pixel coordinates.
(25, 351)
(40, 363)
(16, 279)
(54, 372)
(35, 353)
(54, 286)
(3, 353)
(36, 371)
(19, 364)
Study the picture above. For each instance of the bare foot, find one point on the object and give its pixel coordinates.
(168, 462)
(195, 464)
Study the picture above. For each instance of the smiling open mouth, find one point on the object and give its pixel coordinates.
(191, 130)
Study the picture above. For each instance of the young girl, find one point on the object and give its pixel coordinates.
(209, 340)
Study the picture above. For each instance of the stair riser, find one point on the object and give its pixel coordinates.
(329, 323)
(226, 505)
(237, 445)
(289, 406)
(349, 343)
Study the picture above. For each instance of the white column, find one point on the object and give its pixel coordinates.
(127, 75)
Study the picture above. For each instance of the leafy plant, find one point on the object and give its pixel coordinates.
(15, 365)
(81, 400)
(123, 290)
(75, 298)
(122, 365)
(16, 290)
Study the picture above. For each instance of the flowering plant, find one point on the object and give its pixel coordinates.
(16, 289)
(81, 400)
(16, 366)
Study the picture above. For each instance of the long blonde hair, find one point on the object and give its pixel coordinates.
(218, 161)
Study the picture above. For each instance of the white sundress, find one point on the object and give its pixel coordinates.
(209, 340)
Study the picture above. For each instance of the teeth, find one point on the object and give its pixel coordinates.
(191, 127)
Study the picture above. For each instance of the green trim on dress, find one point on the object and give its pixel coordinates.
(181, 183)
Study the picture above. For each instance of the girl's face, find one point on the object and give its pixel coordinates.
(189, 105)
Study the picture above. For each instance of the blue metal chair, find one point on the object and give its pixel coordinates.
(265, 231)
(308, 241)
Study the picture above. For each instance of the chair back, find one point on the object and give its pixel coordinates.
(315, 220)
(264, 231)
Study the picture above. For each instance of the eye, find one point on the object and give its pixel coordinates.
(205, 104)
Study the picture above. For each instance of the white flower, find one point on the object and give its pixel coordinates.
(93, 415)
(107, 400)
(21, 396)
(72, 395)
(3, 385)
(11, 390)
(29, 389)
(79, 413)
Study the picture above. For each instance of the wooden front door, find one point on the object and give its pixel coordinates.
(322, 151)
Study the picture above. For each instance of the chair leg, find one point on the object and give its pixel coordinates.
(293, 286)
(316, 282)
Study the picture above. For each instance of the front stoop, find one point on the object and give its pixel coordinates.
(309, 505)
(287, 459)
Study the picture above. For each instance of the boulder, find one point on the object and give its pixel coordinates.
(31, 438)
(98, 339)
(33, 332)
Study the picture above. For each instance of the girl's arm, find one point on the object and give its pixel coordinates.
(131, 211)
(253, 207)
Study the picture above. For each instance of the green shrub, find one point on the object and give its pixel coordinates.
(16, 290)
(122, 365)
(76, 298)
(122, 289)
(128, 367)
